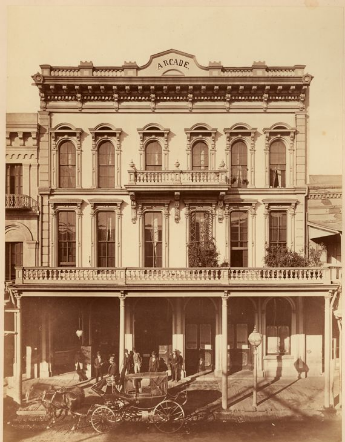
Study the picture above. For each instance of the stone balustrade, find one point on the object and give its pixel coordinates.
(177, 177)
(17, 201)
(177, 276)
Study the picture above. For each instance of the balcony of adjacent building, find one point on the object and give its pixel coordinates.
(20, 202)
(188, 278)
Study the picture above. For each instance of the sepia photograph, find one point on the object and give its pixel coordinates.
(172, 221)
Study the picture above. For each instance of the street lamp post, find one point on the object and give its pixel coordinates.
(255, 339)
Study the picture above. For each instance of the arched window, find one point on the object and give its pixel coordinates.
(67, 163)
(278, 327)
(277, 164)
(239, 164)
(153, 156)
(200, 156)
(106, 165)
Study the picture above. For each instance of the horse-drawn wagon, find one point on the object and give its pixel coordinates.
(143, 397)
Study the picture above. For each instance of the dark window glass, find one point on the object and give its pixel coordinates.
(14, 179)
(199, 235)
(278, 326)
(13, 259)
(278, 232)
(106, 165)
(66, 239)
(239, 239)
(67, 162)
(277, 164)
(106, 239)
(153, 156)
(239, 164)
(200, 156)
(153, 239)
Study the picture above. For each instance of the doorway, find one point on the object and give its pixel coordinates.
(153, 330)
(241, 320)
(199, 336)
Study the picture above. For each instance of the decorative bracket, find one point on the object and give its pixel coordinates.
(221, 207)
(177, 206)
(153, 102)
(133, 207)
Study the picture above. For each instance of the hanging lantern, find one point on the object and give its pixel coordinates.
(79, 332)
(255, 338)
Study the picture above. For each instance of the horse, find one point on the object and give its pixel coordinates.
(63, 400)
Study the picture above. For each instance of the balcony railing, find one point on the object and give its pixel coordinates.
(177, 177)
(177, 276)
(17, 201)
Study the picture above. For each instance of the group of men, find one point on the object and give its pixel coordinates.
(132, 363)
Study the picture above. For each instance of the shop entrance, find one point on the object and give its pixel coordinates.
(241, 319)
(153, 330)
(200, 325)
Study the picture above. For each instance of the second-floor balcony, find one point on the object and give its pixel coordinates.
(18, 201)
(215, 276)
(177, 179)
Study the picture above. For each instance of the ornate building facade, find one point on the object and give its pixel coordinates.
(117, 184)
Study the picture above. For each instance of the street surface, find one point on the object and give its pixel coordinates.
(308, 430)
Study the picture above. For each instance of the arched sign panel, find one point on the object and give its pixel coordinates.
(173, 63)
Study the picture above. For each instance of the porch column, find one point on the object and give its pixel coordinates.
(178, 336)
(218, 344)
(225, 350)
(129, 342)
(327, 355)
(18, 353)
(301, 343)
(44, 368)
(122, 328)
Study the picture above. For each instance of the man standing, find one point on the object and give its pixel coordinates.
(125, 367)
(137, 361)
(179, 365)
(98, 363)
(173, 366)
(153, 363)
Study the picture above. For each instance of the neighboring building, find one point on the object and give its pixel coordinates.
(125, 173)
(325, 215)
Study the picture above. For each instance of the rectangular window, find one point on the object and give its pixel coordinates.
(106, 239)
(153, 239)
(278, 231)
(278, 339)
(13, 259)
(67, 239)
(200, 250)
(239, 239)
(14, 179)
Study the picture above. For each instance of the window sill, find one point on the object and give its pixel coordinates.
(268, 357)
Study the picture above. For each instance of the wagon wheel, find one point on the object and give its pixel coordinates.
(102, 419)
(168, 416)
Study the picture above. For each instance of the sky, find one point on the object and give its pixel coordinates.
(236, 36)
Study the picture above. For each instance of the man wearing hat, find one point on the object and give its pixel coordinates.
(153, 363)
(112, 370)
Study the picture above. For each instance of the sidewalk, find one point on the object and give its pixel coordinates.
(288, 398)
(292, 399)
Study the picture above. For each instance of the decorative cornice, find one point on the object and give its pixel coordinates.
(324, 196)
